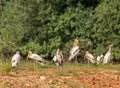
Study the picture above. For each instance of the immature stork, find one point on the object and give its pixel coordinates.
(55, 57)
(15, 59)
(74, 51)
(35, 57)
(59, 57)
(89, 56)
(99, 58)
(107, 55)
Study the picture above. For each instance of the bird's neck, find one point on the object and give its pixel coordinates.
(110, 49)
(29, 55)
(74, 45)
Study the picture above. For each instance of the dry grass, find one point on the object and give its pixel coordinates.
(66, 69)
(67, 77)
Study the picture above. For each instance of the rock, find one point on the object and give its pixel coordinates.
(42, 78)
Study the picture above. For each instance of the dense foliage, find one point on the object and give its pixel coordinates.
(42, 26)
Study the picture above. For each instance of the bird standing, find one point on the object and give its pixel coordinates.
(55, 58)
(59, 57)
(107, 56)
(35, 57)
(74, 51)
(15, 59)
(90, 57)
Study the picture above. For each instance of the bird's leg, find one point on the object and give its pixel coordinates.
(75, 63)
(67, 62)
(17, 70)
(26, 63)
(34, 65)
(60, 68)
(88, 62)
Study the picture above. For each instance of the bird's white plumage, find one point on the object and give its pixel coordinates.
(55, 58)
(107, 56)
(15, 59)
(36, 57)
(73, 52)
(90, 57)
(58, 58)
(99, 58)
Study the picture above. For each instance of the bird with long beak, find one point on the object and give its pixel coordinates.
(74, 51)
(89, 57)
(59, 57)
(75, 43)
(35, 57)
(107, 56)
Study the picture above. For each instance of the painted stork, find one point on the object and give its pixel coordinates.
(59, 57)
(99, 58)
(15, 59)
(74, 51)
(90, 57)
(107, 56)
(55, 58)
(35, 57)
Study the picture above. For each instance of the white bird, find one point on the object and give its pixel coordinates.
(55, 59)
(89, 56)
(15, 59)
(35, 57)
(58, 57)
(74, 51)
(99, 58)
(107, 56)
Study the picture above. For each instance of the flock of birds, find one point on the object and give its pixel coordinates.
(58, 58)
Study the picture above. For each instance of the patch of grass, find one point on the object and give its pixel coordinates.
(67, 68)
(5, 66)
(110, 66)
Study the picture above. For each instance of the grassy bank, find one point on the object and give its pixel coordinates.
(5, 66)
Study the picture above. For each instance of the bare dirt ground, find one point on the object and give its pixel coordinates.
(53, 78)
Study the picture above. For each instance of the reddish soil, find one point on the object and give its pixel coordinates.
(51, 78)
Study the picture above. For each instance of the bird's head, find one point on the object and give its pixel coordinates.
(111, 45)
(75, 42)
(29, 54)
(17, 52)
(58, 51)
(86, 52)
